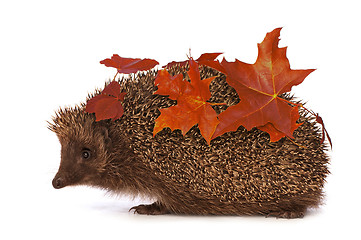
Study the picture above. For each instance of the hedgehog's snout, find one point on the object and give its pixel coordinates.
(58, 182)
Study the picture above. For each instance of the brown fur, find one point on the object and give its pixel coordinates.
(239, 173)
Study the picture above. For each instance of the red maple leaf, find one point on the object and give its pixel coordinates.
(207, 59)
(129, 65)
(175, 63)
(192, 106)
(107, 104)
(259, 86)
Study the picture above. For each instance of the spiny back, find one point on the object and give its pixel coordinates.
(237, 166)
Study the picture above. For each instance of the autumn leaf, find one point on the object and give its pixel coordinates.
(169, 85)
(175, 63)
(207, 59)
(129, 65)
(259, 86)
(192, 106)
(107, 104)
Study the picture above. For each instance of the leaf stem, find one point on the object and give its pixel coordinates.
(299, 145)
(289, 102)
(115, 76)
(318, 120)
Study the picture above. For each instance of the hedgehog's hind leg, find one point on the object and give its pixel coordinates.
(155, 208)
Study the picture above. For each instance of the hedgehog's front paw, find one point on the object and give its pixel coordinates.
(155, 208)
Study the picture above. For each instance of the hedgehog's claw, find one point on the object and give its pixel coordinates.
(155, 208)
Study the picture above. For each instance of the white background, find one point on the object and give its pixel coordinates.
(49, 57)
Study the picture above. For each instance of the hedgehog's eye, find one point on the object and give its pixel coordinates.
(85, 154)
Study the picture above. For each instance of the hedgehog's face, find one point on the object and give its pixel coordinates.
(83, 157)
(78, 165)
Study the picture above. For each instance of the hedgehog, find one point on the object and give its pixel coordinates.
(238, 173)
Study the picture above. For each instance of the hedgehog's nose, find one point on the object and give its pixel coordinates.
(58, 182)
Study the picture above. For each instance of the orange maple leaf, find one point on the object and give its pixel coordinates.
(192, 106)
(259, 86)
(107, 104)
